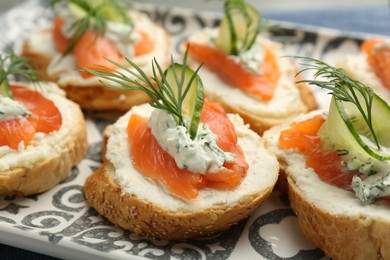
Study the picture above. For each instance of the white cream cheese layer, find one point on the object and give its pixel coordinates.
(200, 154)
(325, 196)
(43, 146)
(11, 109)
(65, 68)
(358, 68)
(262, 173)
(286, 100)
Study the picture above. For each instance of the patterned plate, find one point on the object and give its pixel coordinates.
(60, 223)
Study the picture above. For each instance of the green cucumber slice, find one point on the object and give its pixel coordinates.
(239, 27)
(346, 129)
(187, 86)
(77, 10)
(108, 8)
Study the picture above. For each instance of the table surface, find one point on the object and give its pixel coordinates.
(362, 16)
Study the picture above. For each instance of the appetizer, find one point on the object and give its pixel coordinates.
(371, 66)
(178, 167)
(247, 72)
(83, 34)
(337, 166)
(42, 134)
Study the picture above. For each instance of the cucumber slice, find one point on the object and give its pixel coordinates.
(186, 86)
(76, 10)
(239, 27)
(346, 129)
(114, 12)
(108, 8)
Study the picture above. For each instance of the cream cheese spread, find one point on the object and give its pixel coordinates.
(10, 109)
(199, 155)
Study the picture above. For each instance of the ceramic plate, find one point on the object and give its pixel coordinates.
(60, 223)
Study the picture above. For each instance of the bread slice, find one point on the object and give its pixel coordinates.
(89, 92)
(49, 158)
(289, 100)
(331, 217)
(134, 202)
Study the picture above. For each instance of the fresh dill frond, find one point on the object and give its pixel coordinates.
(158, 88)
(94, 16)
(342, 88)
(11, 64)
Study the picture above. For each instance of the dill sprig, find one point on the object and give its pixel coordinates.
(342, 88)
(158, 88)
(96, 16)
(11, 64)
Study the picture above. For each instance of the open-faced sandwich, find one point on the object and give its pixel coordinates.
(83, 34)
(42, 134)
(178, 167)
(338, 168)
(246, 72)
(371, 66)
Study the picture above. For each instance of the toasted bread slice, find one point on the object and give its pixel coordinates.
(49, 158)
(289, 100)
(332, 218)
(89, 92)
(134, 202)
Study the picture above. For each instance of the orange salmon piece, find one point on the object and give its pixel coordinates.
(13, 131)
(233, 172)
(144, 45)
(61, 42)
(302, 135)
(91, 51)
(379, 59)
(156, 163)
(151, 160)
(326, 164)
(261, 85)
(45, 118)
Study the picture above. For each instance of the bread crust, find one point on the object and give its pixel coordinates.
(144, 218)
(45, 174)
(93, 97)
(340, 236)
(338, 232)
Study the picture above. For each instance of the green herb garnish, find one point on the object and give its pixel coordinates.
(177, 90)
(357, 119)
(12, 64)
(94, 15)
(343, 88)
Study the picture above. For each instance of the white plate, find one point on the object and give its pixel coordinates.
(61, 224)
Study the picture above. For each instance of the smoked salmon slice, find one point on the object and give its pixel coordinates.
(261, 85)
(154, 162)
(45, 118)
(92, 49)
(379, 59)
(327, 164)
